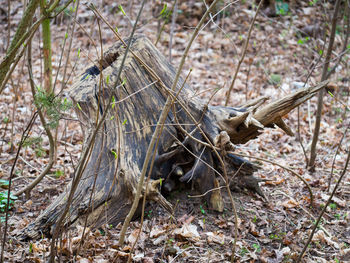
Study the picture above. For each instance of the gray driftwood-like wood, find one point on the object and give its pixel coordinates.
(119, 149)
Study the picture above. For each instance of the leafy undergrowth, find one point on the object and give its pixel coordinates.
(272, 230)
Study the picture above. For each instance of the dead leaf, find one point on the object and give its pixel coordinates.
(216, 238)
(291, 203)
(156, 232)
(187, 231)
(321, 237)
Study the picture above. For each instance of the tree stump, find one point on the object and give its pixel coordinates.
(183, 153)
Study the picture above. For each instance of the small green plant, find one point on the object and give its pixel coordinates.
(313, 2)
(278, 236)
(59, 173)
(30, 141)
(3, 201)
(337, 216)
(53, 106)
(102, 232)
(6, 120)
(256, 247)
(275, 79)
(165, 13)
(30, 247)
(148, 214)
(254, 219)
(40, 152)
(273, 236)
(333, 206)
(114, 154)
(321, 222)
(243, 251)
(302, 41)
(170, 241)
(36, 144)
(202, 209)
(281, 7)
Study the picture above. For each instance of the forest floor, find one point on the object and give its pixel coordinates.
(278, 57)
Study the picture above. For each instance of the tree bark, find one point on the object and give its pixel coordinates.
(119, 150)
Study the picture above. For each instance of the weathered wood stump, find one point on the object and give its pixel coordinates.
(119, 150)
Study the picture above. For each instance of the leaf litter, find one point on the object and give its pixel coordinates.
(272, 231)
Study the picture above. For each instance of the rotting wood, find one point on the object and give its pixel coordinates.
(181, 157)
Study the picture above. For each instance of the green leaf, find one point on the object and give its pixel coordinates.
(160, 181)
(281, 7)
(333, 206)
(66, 35)
(6, 120)
(320, 52)
(78, 105)
(330, 93)
(202, 210)
(256, 247)
(115, 154)
(59, 173)
(107, 80)
(275, 79)
(116, 29)
(32, 141)
(111, 118)
(121, 9)
(313, 2)
(78, 52)
(124, 122)
(113, 102)
(164, 9)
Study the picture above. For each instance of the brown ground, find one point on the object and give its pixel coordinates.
(272, 231)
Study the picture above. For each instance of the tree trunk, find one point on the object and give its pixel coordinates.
(119, 149)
